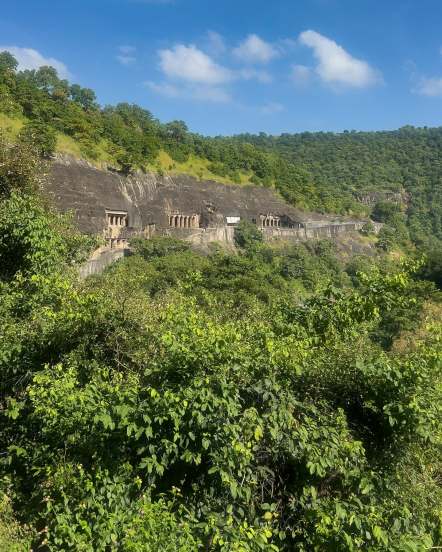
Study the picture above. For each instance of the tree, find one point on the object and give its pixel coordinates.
(368, 229)
(158, 247)
(387, 238)
(432, 268)
(21, 170)
(46, 78)
(8, 67)
(8, 64)
(247, 235)
(60, 91)
(41, 136)
(176, 130)
(383, 211)
(83, 96)
(127, 162)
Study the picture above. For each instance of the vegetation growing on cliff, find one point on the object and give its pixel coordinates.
(267, 400)
(316, 171)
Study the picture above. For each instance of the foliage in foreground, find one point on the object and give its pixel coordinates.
(223, 403)
(13, 536)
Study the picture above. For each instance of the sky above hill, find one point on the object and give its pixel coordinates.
(230, 66)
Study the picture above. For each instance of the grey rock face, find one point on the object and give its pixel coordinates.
(116, 206)
(150, 199)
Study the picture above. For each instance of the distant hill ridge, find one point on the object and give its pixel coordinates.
(322, 172)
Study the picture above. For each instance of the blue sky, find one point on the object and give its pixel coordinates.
(230, 66)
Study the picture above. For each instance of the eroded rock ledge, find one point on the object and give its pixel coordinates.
(108, 203)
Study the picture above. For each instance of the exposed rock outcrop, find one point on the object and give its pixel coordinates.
(149, 201)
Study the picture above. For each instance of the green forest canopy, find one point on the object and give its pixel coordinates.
(318, 171)
(277, 399)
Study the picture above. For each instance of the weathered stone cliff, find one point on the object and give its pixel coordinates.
(149, 199)
(117, 206)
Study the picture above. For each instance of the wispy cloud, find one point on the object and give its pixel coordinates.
(126, 55)
(255, 50)
(271, 108)
(253, 74)
(190, 64)
(163, 89)
(211, 94)
(301, 75)
(28, 58)
(215, 43)
(429, 86)
(190, 92)
(336, 66)
(126, 60)
(127, 49)
(423, 84)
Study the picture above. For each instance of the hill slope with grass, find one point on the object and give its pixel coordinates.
(321, 172)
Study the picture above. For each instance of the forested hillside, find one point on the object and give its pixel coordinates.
(67, 118)
(274, 399)
(324, 172)
(407, 160)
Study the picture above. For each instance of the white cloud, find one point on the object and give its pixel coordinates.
(126, 60)
(271, 108)
(32, 59)
(164, 89)
(199, 75)
(126, 55)
(251, 74)
(190, 64)
(127, 50)
(429, 86)
(301, 75)
(190, 92)
(335, 65)
(216, 44)
(255, 50)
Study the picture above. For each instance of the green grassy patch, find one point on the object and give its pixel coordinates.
(194, 166)
(66, 144)
(11, 126)
(103, 155)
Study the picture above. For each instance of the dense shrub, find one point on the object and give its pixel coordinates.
(247, 235)
(158, 247)
(40, 136)
(235, 402)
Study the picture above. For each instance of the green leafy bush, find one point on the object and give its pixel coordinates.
(247, 235)
(40, 136)
(158, 247)
(13, 536)
(239, 402)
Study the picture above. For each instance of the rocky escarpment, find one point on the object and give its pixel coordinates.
(149, 199)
